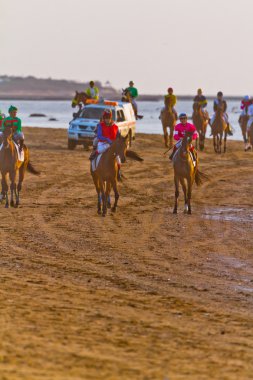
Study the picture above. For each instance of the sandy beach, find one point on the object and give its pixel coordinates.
(139, 295)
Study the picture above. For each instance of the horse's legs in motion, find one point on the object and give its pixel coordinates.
(176, 181)
(220, 143)
(182, 181)
(165, 134)
(116, 194)
(171, 135)
(5, 190)
(214, 144)
(13, 188)
(225, 142)
(108, 190)
(189, 195)
(21, 175)
(102, 189)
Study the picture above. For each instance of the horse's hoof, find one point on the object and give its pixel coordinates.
(189, 212)
(174, 211)
(109, 205)
(114, 209)
(103, 215)
(99, 212)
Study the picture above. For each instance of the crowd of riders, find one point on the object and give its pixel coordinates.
(107, 130)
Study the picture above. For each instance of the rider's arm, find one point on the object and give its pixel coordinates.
(215, 106)
(177, 133)
(225, 106)
(19, 127)
(101, 137)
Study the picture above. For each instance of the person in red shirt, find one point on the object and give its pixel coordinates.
(179, 133)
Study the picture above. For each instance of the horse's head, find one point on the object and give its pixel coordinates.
(7, 136)
(187, 139)
(120, 147)
(125, 96)
(80, 97)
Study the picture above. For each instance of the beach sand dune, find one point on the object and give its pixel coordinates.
(140, 294)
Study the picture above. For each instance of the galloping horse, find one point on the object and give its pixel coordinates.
(219, 127)
(168, 120)
(126, 97)
(9, 163)
(185, 173)
(243, 121)
(105, 175)
(200, 121)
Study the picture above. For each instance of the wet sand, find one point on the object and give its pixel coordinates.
(140, 294)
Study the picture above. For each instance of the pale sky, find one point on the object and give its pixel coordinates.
(185, 44)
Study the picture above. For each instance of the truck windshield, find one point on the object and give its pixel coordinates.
(94, 113)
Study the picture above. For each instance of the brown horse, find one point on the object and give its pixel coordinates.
(186, 173)
(79, 101)
(126, 97)
(243, 121)
(9, 164)
(219, 128)
(200, 121)
(105, 176)
(168, 120)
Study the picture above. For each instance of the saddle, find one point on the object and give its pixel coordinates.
(21, 155)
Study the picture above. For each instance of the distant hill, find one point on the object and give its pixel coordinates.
(32, 88)
(35, 88)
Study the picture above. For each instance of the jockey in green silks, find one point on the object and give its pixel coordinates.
(14, 122)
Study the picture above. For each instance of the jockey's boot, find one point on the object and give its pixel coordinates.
(229, 130)
(93, 155)
(173, 152)
(175, 113)
(194, 156)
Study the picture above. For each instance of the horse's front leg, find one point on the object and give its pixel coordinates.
(189, 195)
(21, 176)
(5, 190)
(116, 194)
(182, 181)
(176, 181)
(171, 136)
(225, 142)
(108, 190)
(214, 144)
(13, 188)
(165, 135)
(102, 189)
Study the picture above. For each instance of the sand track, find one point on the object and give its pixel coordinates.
(140, 294)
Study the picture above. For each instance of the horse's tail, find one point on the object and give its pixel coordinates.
(135, 156)
(31, 169)
(200, 177)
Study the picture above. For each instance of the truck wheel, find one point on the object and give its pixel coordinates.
(71, 144)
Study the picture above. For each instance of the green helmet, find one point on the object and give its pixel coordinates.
(12, 108)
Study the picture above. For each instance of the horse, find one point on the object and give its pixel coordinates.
(168, 120)
(219, 127)
(186, 173)
(105, 175)
(243, 121)
(200, 121)
(10, 164)
(127, 98)
(79, 100)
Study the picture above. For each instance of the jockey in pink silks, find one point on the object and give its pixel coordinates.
(179, 133)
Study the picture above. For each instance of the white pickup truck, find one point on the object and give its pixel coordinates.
(81, 129)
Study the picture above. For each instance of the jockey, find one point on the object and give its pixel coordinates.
(92, 91)
(171, 99)
(220, 102)
(201, 100)
(107, 132)
(14, 122)
(133, 93)
(245, 103)
(179, 133)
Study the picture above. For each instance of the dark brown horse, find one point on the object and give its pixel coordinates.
(185, 173)
(126, 97)
(200, 120)
(168, 120)
(10, 164)
(105, 176)
(219, 129)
